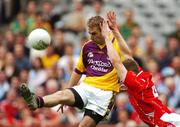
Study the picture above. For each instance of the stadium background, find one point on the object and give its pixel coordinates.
(150, 27)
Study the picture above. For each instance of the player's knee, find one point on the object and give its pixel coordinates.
(66, 96)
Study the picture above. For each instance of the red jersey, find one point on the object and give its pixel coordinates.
(144, 98)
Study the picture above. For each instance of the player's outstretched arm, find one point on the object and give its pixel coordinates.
(111, 16)
(112, 53)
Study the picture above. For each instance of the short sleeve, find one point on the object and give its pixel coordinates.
(80, 69)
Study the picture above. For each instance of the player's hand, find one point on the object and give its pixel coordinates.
(61, 108)
(105, 31)
(111, 17)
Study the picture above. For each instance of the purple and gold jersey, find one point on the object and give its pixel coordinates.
(95, 64)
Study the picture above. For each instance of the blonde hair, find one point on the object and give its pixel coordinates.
(95, 22)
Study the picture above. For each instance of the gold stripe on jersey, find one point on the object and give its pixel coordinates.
(108, 81)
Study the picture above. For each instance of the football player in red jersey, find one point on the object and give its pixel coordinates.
(141, 89)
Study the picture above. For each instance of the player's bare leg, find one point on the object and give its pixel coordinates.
(65, 97)
(87, 122)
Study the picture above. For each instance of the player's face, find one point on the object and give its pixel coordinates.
(96, 35)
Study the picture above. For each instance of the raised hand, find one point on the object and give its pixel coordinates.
(105, 31)
(111, 17)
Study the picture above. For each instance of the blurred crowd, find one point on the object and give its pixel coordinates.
(49, 71)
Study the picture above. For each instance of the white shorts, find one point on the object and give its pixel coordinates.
(95, 99)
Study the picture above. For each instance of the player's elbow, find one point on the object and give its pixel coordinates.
(130, 53)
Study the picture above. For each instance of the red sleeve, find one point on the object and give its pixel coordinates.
(132, 82)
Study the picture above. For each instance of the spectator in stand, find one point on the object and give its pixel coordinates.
(68, 61)
(9, 67)
(78, 24)
(41, 23)
(24, 75)
(127, 27)
(8, 10)
(47, 13)
(176, 66)
(40, 90)
(131, 123)
(70, 117)
(172, 96)
(14, 82)
(37, 75)
(51, 86)
(1, 38)
(136, 50)
(134, 45)
(50, 59)
(21, 61)
(9, 40)
(3, 52)
(21, 39)
(121, 104)
(28, 120)
(49, 118)
(161, 57)
(164, 99)
(176, 34)
(31, 15)
(9, 107)
(58, 42)
(149, 49)
(83, 40)
(153, 68)
(4, 85)
(173, 47)
(123, 117)
(19, 25)
(166, 72)
(52, 73)
(97, 9)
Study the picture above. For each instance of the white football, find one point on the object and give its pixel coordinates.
(39, 39)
